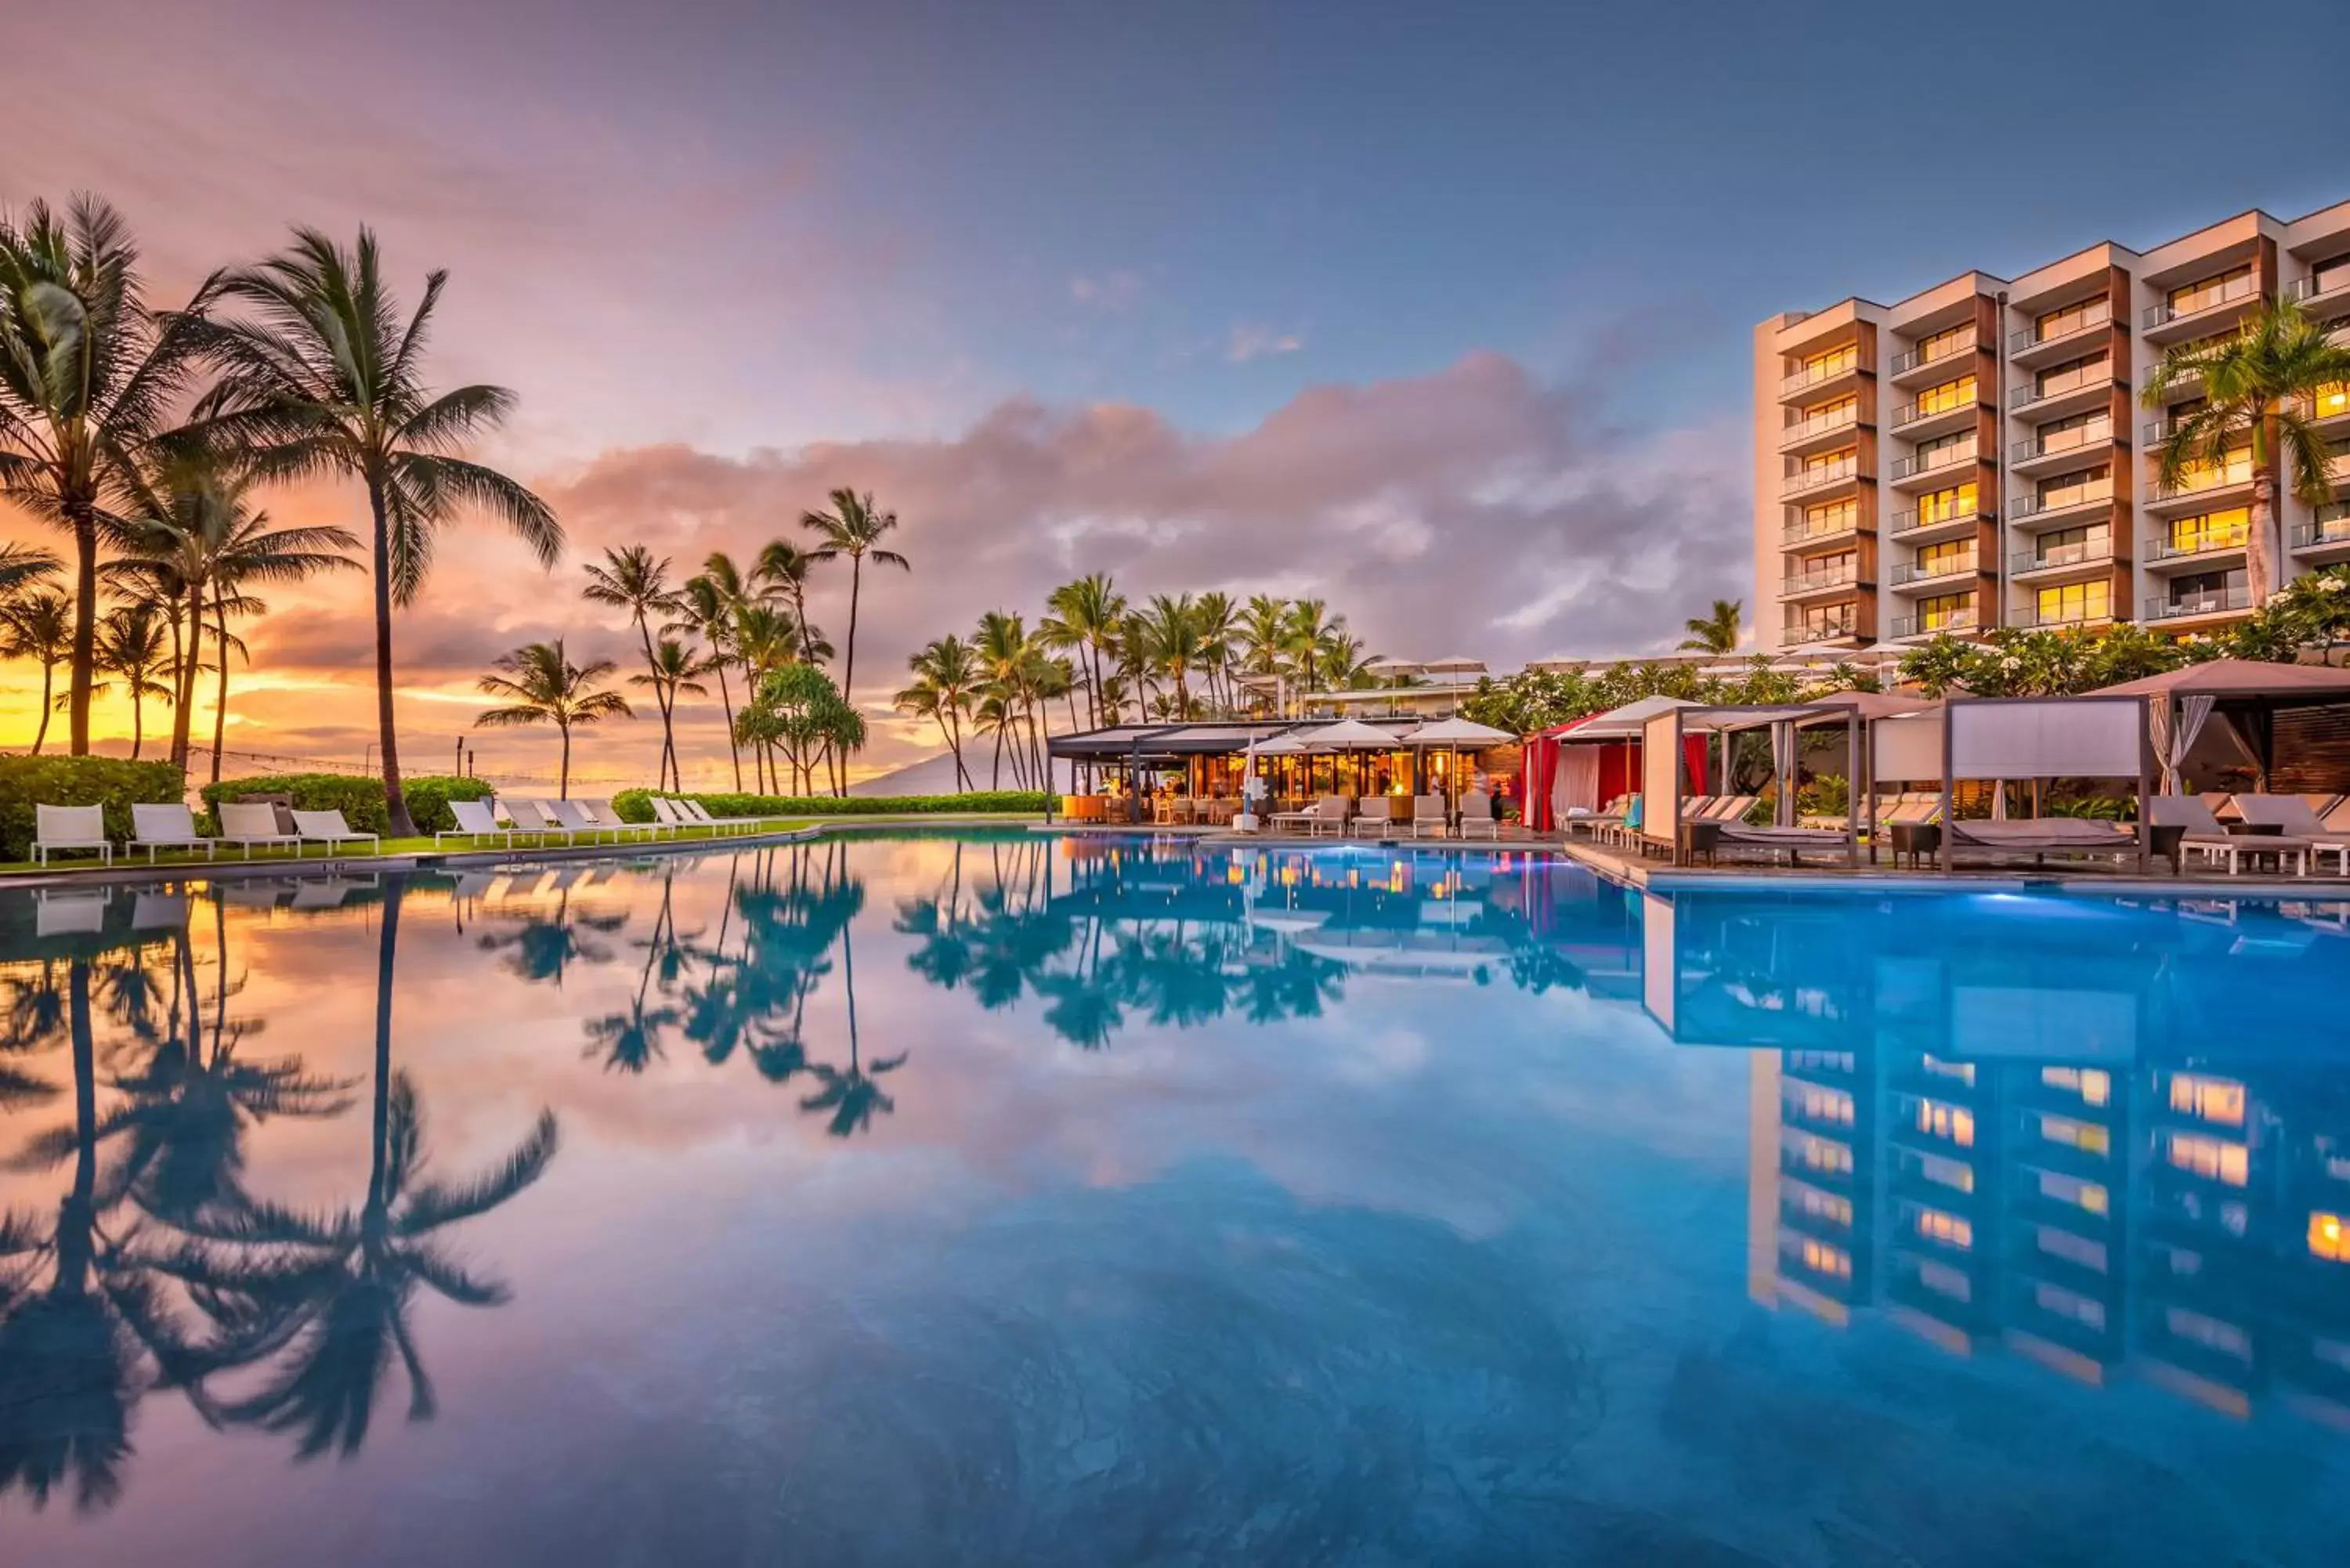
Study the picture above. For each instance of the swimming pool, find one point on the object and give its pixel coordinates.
(998, 1198)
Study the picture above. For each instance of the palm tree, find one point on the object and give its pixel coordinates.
(542, 686)
(321, 378)
(706, 610)
(1084, 618)
(1262, 629)
(630, 579)
(781, 572)
(1310, 629)
(2259, 389)
(854, 528)
(88, 375)
(337, 1301)
(944, 679)
(197, 547)
(1714, 633)
(671, 674)
(1174, 643)
(1000, 648)
(38, 626)
(130, 644)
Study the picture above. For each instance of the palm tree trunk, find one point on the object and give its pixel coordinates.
(727, 698)
(563, 778)
(220, 698)
(2259, 569)
(661, 701)
(138, 718)
(386, 960)
(48, 680)
(849, 663)
(995, 778)
(184, 706)
(395, 803)
(85, 631)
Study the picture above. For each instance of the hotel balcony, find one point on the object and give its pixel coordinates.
(2200, 606)
(2162, 555)
(2072, 501)
(2028, 347)
(2325, 296)
(2331, 408)
(2220, 305)
(2060, 561)
(1811, 584)
(1909, 577)
(1837, 628)
(1906, 526)
(2074, 392)
(1911, 424)
(1805, 536)
(1916, 367)
(1819, 482)
(1816, 386)
(1820, 433)
(1960, 623)
(2061, 449)
(2028, 616)
(2325, 538)
(2202, 488)
(1924, 471)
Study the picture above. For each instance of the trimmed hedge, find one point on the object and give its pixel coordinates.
(359, 797)
(636, 804)
(109, 781)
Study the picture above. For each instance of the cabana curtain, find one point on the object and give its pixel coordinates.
(2174, 737)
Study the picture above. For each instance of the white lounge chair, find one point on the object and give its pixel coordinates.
(474, 820)
(77, 828)
(2297, 820)
(575, 817)
(154, 827)
(699, 813)
(1329, 816)
(1376, 819)
(669, 816)
(1428, 815)
(328, 827)
(1477, 816)
(601, 812)
(537, 817)
(248, 823)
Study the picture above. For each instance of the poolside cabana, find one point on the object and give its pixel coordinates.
(1666, 774)
(2037, 738)
(2244, 695)
(1583, 764)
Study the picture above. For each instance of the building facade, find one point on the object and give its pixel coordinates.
(1976, 455)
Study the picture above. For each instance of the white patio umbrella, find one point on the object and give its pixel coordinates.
(1453, 734)
(1349, 735)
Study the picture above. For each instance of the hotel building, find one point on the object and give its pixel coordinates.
(1976, 455)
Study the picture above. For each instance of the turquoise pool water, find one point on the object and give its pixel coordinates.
(998, 1199)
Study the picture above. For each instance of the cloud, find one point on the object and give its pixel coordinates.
(1110, 293)
(1251, 340)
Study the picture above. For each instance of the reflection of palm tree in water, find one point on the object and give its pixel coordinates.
(332, 1302)
(756, 998)
(630, 1041)
(852, 1096)
(544, 947)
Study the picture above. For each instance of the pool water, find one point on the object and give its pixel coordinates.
(977, 1199)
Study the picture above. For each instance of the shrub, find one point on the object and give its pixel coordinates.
(636, 804)
(360, 798)
(109, 781)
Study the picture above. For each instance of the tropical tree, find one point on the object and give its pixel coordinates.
(855, 527)
(797, 707)
(706, 610)
(130, 644)
(1173, 643)
(1311, 627)
(1262, 633)
(542, 686)
(673, 673)
(2260, 388)
(630, 578)
(38, 626)
(945, 681)
(1083, 617)
(87, 377)
(1715, 632)
(781, 572)
(321, 377)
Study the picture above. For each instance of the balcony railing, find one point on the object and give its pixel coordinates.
(2059, 556)
(2331, 526)
(1819, 582)
(2030, 616)
(2101, 315)
(1911, 413)
(1909, 522)
(1820, 377)
(1905, 363)
(2100, 374)
(1819, 631)
(1801, 477)
(1803, 534)
(2059, 500)
(2208, 601)
(1820, 425)
(1934, 461)
(1920, 626)
(2201, 299)
(2208, 544)
(2320, 285)
(1914, 572)
(2072, 438)
(2197, 481)
(2157, 431)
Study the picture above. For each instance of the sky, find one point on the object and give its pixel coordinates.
(1441, 314)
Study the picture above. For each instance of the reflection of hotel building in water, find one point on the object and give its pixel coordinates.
(1975, 455)
(2099, 1213)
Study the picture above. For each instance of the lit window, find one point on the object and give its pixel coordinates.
(2216, 1159)
(2218, 1100)
(2212, 530)
(1964, 1072)
(2092, 1083)
(1951, 1173)
(1954, 1122)
(2327, 1239)
(1941, 505)
(1821, 1153)
(1942, 611)
(1950, 395)
(2073, 318)
(2072, 1190)
(1953, 1230)
(1824, 1205)
(1820, 366)
(1823, 1258)
(1834, 1061)
(1820, 1105)
(2333, 398)
(2076, 601)
(2086, 1137)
